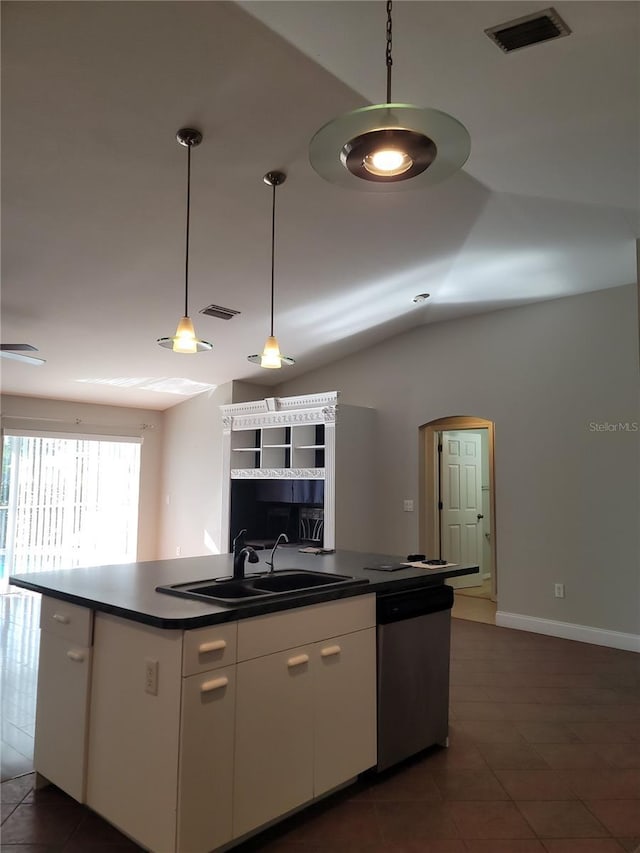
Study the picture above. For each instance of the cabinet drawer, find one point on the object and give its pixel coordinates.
(287, 629)
(70, 621)
(209, 648)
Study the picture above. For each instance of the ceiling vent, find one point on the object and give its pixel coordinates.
(528, 30)
(220, 312)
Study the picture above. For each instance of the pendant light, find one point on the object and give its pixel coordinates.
(389, 147)
(271, 356)
(185, 340)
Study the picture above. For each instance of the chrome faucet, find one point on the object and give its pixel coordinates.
(281, 538)
(240, 554)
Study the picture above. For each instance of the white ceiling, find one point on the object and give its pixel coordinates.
(94, 181)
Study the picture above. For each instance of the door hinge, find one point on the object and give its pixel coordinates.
(439, 448)
(440, 505)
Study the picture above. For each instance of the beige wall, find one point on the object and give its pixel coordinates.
(192, 471)
(567, 501)
(61, 416)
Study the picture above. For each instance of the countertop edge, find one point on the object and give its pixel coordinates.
(212, 614)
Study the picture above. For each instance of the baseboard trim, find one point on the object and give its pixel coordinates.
(569, 631)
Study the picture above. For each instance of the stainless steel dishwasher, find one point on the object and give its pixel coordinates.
(414, 642)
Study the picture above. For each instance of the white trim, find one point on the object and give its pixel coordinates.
(278, 473)
(569, 631)
(73, 436)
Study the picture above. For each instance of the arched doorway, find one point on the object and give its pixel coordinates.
(434, 494)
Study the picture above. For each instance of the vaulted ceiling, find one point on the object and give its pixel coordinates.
(94, 181)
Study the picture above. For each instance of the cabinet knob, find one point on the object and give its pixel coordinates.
(297, 660)
(213, 646)
(60, 617)
(214, 684)
(76, 657)
(329, 651)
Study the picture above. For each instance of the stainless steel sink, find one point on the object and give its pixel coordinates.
(259, 587)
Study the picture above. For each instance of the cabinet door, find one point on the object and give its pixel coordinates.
(274, 737)
(205, 776)
(61, 715)
(345, 708)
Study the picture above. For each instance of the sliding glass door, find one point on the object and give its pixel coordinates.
(67, 502)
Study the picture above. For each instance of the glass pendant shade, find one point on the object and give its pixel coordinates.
(185, 340)
(271, 357)
(390, 148)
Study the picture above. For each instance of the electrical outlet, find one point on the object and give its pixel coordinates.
(151, 676)
(408, 506)
(559, 590)
(178, 550)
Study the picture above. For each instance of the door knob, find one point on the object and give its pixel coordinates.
(479, 516)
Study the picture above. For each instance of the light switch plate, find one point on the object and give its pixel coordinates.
(408, 506)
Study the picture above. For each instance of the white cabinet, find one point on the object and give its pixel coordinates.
(306, 719)
(199, 737)
(63, 694)
(345, 702)
(205, 773)
(168, 745)
(311, 437)
(207, 728)
(274, 738)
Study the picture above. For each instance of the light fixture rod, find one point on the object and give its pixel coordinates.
(273, 180)
(273, 250)
(186, 254)
(388, 57)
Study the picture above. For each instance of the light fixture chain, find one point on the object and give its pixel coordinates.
(389, 58)
(273, 249)
(186, 256)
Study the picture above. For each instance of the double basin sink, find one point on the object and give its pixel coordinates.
(258, 587)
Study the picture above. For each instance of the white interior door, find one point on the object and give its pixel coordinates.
(461, 496)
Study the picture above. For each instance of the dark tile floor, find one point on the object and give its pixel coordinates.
(544, 756)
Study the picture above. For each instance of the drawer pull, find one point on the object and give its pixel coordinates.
(60, 617)
(76, 657)
(330, 651)
(214, 684)
(298, 660)
(213, 646)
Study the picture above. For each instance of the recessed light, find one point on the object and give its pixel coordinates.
(421, 297)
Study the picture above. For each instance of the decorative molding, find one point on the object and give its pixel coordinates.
(329, 414)
(569, 631)
(277, 473)
(280, 404)
(271, 419)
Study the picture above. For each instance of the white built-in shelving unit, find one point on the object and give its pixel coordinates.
(310, 437)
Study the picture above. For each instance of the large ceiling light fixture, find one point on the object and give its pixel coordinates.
(389, 147)
(271, 357)
(185, 340)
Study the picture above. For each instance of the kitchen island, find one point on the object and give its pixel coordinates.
(191, 725)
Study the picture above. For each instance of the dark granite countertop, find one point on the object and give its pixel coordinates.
(129, 589)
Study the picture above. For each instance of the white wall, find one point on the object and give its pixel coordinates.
(567, 497)
(191, 489)
(61, 416)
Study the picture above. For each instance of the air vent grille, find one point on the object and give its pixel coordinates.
(531, 29)
(220, 312)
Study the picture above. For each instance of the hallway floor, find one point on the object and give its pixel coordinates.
(544, 755)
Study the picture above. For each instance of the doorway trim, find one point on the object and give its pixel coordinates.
(429, 527)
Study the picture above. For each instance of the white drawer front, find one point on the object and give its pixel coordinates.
(70, 621)
(209, 648)
(287, 629)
